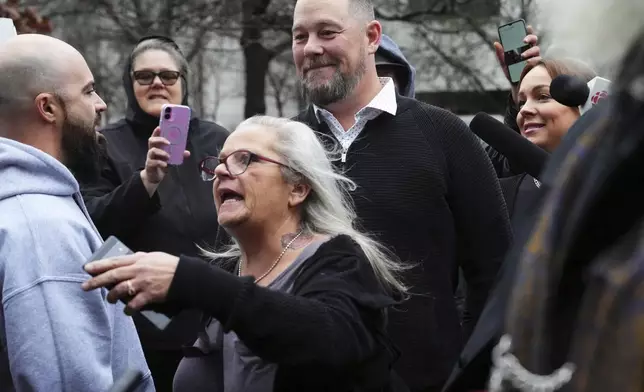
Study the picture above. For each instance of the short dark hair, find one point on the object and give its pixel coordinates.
(362, 9)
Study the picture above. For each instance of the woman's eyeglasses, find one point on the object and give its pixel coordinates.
(236, 163)
(145, 78)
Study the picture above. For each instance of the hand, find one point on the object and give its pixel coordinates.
(156, 162)
(532, 55)
(138, 279)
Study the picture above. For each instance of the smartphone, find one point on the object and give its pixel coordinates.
(112, 247)
(511, 36)
(174, 123)
(7, 29)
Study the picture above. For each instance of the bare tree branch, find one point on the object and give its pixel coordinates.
(477, 28)
(449, 41)
(117, 18)
(280, 47)
(198, 44)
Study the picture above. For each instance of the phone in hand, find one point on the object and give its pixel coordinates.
(174, 123)
(112, 247)
(7, 29)
(511, 36)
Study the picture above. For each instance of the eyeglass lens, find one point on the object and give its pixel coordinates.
(168, 78)
(236, 164)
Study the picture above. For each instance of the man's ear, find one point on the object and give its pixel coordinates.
(49, 107)
(298, 194)
(374, 34)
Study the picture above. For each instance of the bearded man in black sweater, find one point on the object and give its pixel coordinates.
(426, 188)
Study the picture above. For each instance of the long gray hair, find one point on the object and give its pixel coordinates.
(328, 209)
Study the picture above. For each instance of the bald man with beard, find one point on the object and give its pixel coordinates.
(54, 336)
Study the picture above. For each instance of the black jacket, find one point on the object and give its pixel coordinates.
(327, 334)
(472, 371)
(427, 190)
(179, 216)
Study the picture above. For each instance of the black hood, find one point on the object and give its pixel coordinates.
(144, 122)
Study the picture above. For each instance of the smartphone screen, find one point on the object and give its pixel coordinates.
(512, 36)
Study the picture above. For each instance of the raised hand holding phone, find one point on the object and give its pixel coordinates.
(514, 38)
(157, 160)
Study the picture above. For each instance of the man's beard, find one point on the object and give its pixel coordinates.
(81, 149)
(338, 88)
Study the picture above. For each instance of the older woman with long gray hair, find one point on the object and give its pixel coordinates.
(298, 301)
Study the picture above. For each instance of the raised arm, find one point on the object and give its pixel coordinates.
(118, 207)
(329, 322)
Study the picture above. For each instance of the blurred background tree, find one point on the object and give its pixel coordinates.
(240, 50)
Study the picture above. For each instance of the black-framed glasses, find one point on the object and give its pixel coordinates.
(145, 78)
(236, 163)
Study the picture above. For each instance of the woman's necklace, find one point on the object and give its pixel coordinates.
(239, 270)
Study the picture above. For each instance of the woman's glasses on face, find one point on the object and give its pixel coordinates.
(145, 78)
(236, 163)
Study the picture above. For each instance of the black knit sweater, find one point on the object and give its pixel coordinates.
(428, 191)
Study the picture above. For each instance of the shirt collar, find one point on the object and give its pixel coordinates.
(384, 101)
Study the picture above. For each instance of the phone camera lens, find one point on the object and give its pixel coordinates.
(167, 116)
(168, 110)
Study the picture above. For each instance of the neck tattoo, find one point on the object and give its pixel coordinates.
(265, 274)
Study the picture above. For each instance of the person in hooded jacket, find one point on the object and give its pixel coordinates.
(392, 63)
(148, 205)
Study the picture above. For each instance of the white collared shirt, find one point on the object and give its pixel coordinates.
(384, 101)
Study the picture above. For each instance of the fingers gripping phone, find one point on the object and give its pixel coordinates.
(115, 248)
(174, 124)
(511, 36)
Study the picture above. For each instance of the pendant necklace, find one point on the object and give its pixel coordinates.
(239, 270)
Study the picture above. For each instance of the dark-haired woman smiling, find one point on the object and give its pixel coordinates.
(541, 119)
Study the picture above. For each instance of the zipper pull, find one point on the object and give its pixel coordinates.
(344, 156)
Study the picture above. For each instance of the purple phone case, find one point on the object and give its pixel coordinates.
(175, 129)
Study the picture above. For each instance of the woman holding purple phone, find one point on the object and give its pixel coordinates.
(148, 203)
